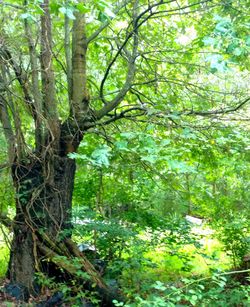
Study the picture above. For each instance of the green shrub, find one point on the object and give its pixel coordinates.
(4, 258)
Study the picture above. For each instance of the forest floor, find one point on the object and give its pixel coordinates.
(201, 265)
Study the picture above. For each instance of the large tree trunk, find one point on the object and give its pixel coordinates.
(42, 226)
(41, 206)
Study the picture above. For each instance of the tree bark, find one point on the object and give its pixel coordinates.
(42, 227)
(44, 179)
(40, 207)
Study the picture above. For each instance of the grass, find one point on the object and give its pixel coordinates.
(4, 256)
(169, 268)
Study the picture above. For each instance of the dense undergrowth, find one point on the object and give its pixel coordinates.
(180, 264)
(139, 236)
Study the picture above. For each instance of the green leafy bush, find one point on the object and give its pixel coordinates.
(234, 234)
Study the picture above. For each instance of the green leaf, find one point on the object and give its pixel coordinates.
(75, 155)
(238, 51)
(209, 41)
(159, 286)
(102, 17)
(165, 142)
(122, 145)
(150, 158)
(248, 40)
(217, 63)
(109, 13)
(27, 16)
(128, 135)
(100, 156)
(223, 26)
(81, 7)
(67, 11)
(194, 299)
(103, 3)
(231, 47)
(54, 7)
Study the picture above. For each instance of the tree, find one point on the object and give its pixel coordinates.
(72, 67)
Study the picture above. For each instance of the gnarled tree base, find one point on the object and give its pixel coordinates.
(42, 227)
(66, 257)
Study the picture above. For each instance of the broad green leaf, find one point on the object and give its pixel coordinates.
(100, 155)
(67, 11)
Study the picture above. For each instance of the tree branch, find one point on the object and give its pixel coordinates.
(107, 22)
(7, 129)
(109, 106)
(48, 79)
(39, 137)
(125, 114)
(139, 20)
(7, 58)
(11, 5)
(68, 55)
(80, 98)
(217, 112)
(9, 105)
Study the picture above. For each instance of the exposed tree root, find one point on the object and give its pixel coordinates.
(65, 255)
(65, 263)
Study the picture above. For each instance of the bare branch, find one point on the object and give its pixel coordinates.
(11, 5)
(124, 114)
(217, 112)
(7, 129)
(8, 59)
(35, 86)
(109, 106)
(139, 20)
(68, 55)
(143, 110)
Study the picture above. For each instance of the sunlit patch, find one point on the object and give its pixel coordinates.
(187, 37)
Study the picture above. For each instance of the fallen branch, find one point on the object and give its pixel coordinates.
(87, 265)
(62, 260)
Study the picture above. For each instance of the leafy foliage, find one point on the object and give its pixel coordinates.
(165, 134)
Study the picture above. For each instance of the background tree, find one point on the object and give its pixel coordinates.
(68, 68)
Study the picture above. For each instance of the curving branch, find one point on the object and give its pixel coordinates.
(11, 5)
(124, 114)
(142, 110)
(109, 106)
(138, 21)
(220, 111)
(7, 59)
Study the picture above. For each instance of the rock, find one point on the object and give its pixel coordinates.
(194, 220)
(18, 291)
(100, 265)
(55, 300)
(83, 247)
(86, 303)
